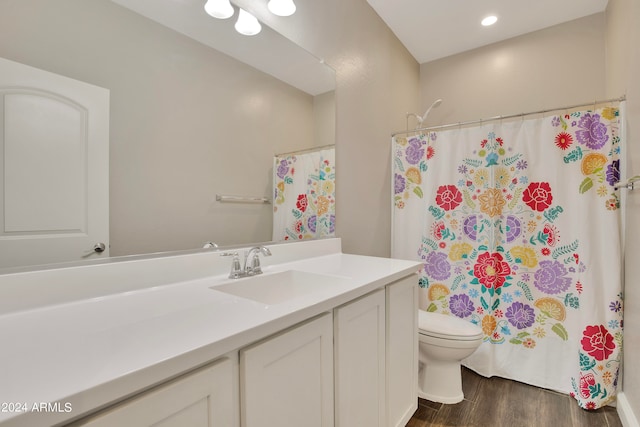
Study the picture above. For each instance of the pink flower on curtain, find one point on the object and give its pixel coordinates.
(586, 382)
(491, 270)
(598, 342)
(437, 229)
(564, 140)
(538, 196)
(430, 152)
(302, 202)
(448, 197)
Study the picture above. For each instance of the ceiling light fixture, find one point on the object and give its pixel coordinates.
(282, 7)
(489, 20)
(247, 24)
(220, 9)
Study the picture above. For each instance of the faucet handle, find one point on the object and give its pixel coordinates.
(236, 270)
(255, 264)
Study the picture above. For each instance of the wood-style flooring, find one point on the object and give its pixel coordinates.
(497, 402)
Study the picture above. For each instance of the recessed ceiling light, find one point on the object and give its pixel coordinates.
(489, 20)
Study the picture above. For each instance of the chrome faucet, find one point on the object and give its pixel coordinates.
(251, 262)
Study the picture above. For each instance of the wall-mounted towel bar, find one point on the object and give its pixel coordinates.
(240, 199)
(629, 184)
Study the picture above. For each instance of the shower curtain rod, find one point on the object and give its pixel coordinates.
(512, 116)
(307, 150)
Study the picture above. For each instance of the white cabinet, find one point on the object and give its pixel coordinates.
(287, 380)
(356, 366)
(402, 351)
(359, 329)
(207, 397)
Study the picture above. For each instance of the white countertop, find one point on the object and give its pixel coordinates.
(92, 351)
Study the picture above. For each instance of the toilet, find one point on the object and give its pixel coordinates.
(444, 342)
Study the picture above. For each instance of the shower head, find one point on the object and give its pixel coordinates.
(435, 104)
(421, 119)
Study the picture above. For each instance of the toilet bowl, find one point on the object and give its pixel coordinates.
(444, 342)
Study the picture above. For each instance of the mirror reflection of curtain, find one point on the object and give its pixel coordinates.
(518, 227)
(304, 195)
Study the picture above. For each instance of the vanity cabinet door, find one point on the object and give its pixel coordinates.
(207, 398)
(287, 380)
(402, 351)
(359, 329)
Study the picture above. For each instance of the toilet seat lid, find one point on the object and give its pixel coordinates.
(445, 326)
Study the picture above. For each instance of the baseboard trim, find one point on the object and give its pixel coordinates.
(625, 412)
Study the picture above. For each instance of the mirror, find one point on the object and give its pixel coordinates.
(188, 120)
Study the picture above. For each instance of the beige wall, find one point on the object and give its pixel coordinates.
(187, 122)
(554, 67)
(324, 119)
(623, 69)
(377, 83)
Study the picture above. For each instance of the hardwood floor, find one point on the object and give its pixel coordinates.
(497, 402)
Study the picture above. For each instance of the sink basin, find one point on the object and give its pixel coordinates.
(279, 287)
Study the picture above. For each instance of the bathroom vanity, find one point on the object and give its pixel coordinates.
(321, 338)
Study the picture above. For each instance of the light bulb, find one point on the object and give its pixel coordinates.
(220, 9)
(282, 7)
(489, 20)
(247, 24)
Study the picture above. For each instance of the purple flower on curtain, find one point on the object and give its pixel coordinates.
(520, 315)
(613, 172)
(414, 151)
(470, 227)
(312, 222)
(436, 266)
(332, 223)
(461, 305)
(399, 184)
(513, 228)
(592, 132)
(615, 306)
(283, 169)
(551, 277)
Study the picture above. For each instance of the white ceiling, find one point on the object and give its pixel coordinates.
(433, 29)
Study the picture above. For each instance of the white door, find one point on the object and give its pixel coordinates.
(54, 167)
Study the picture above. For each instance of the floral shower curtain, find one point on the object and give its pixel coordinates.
(304, 195)
(518, 227)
